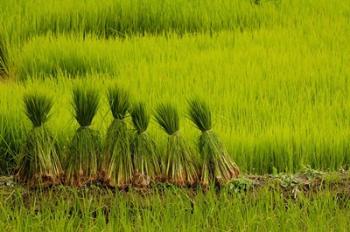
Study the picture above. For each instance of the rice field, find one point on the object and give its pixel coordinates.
(117, 79)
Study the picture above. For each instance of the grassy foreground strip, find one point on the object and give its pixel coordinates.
(307, 201)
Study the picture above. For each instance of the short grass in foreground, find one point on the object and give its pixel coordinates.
(231, 209)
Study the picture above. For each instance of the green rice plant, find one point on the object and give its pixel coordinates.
(3, 58)
(117, 168)
(179, 167)
(66, 56)
(143, 148)
(38, 163)
(11, 139)
(85, 148)
(110, 18)
(216, 164)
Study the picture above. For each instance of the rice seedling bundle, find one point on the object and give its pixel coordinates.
(38, 163)
(85, 148)
(179, 167)
(143, 148)
(117, 168)
(216, 164)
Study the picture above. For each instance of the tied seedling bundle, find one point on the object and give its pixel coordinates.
(143, 148)
(179, 167)
(216, 164)
(39, 165)
(85, 148)
(117, 168)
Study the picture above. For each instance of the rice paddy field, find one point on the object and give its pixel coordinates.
(190, 97)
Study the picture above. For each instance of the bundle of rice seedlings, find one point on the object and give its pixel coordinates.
(3, 58)
(117, 168)
(216, 164)
(143, 148)
(85, 148)
(38, 164)
(179, 166)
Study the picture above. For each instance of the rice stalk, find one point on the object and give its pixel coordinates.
(143, 149)
(216, 164)
(39, 164)
(179, 167)
(85, 148)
